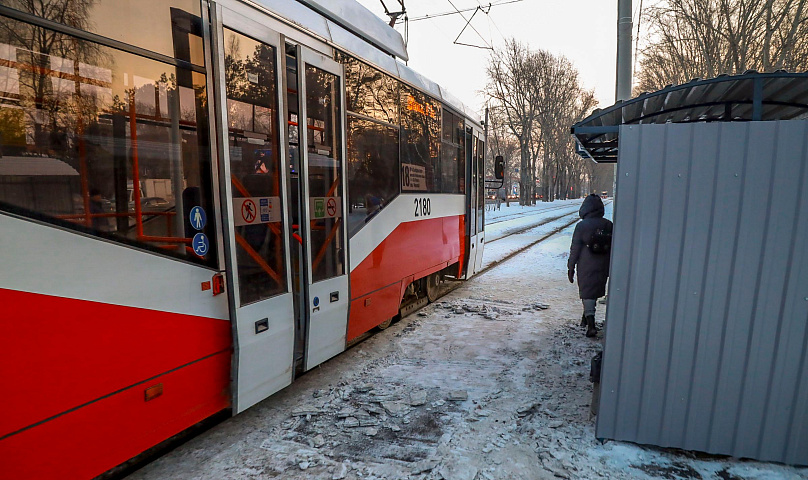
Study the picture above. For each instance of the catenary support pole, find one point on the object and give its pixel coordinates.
(623, 82)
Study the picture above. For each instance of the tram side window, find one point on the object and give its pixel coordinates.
(255, 166)
(420, 142)
(169, 27)
(453, 154)
(369, 91)
(372, 169)
(372, 141)
(480, 184)
(323, 114)
(104, 141)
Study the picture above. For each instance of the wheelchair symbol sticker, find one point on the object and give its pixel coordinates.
(200, 244)
(198, 218)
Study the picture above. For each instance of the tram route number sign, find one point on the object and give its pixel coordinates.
(256, 210)
(325, 207)
(413, 177)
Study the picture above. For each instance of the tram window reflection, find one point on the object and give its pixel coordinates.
(369, 91)
(480, 184)
(372, 170)
(171, 27)
(453, 154)
(255, 166)
(420, 142)
(325, 173)
(104, 140)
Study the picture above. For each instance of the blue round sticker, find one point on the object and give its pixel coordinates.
(316, 301)
(200, 244)
(198, 218)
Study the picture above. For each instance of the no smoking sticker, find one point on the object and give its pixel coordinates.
(325, 207)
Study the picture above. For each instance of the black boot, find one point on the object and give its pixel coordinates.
(591, 329)
(583, 320)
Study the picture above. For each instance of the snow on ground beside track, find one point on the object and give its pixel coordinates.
(489, 383)
(515, 210)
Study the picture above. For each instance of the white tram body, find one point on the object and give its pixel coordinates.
(200, 201)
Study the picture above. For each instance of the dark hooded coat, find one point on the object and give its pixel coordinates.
(593, 269)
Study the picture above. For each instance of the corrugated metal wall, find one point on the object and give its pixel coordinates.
(707, 323)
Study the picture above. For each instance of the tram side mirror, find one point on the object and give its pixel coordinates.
(499, 167)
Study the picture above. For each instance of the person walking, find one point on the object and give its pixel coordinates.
(589, 252)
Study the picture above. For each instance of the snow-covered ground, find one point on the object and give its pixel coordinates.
(491, 382)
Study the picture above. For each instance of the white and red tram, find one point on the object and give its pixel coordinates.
(200, 201)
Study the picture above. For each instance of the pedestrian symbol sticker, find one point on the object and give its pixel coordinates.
(331, 206)
(198, 218)
(200, 244)
(248, 211)
(319, 208)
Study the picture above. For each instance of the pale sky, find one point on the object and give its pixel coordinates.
(584, 31)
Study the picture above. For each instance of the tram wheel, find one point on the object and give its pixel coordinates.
(432, 284)
(385, 324)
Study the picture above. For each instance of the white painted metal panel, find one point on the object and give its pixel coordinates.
(361, 49)
(328, 320)
(416, 79)
(362, 22)
(44, 259)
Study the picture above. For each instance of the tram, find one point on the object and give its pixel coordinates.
(199, 202)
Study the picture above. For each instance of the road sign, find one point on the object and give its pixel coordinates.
(198, 218)
(200, 244)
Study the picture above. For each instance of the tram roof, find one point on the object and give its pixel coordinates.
(750, 96)
(353, 28)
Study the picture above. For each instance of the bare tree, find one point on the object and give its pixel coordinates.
(705, 38)
(536, 96)
(512, 88)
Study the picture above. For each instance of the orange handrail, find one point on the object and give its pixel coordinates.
(331, 235)
(257, 258)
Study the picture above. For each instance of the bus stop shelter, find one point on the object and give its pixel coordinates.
(706, 343)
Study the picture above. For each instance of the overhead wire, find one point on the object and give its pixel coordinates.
(468, 24)
(457, 11)
(637, 42)
(491, 22)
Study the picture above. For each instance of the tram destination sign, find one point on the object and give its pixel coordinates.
(256, 210)
(413, 177)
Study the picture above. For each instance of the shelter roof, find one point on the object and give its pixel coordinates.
(751, 96)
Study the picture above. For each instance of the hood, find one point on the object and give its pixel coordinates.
(592, 207)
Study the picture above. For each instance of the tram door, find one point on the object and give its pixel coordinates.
(252, 177)
(317, 169)
(479, 165)
(471, 204)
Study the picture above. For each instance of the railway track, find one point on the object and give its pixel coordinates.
(526, 228)
(451, 285)
(515, 216)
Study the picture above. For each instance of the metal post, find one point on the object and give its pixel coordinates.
(623, 83)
